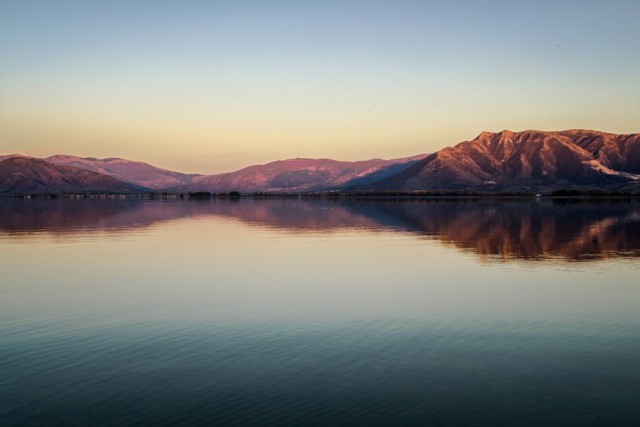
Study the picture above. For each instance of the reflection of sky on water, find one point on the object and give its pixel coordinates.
(500, 230)
(280, 312)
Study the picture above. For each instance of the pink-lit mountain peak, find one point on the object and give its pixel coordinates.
(526, 160)
(23, 175)
(303, 174)
(134, 172)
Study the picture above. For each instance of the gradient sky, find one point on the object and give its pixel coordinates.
(212, 86)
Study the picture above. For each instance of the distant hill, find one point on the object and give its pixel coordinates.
(302, 175)
(526, 160)
(137, 173)
(9, 156)
(26, 175)
(505, 161)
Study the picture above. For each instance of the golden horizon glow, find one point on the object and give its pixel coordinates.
(217, 87)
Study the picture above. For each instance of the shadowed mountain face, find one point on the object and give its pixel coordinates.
(26, 175)
(492, 230)
(527, 160)
(301, 175)
(136, 173)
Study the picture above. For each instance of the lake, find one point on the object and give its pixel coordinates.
(319, 313)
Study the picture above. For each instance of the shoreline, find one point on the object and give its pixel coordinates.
(441, 195)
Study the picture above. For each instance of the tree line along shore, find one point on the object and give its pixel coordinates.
(206, 195)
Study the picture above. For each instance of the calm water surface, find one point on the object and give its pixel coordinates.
(292, 312)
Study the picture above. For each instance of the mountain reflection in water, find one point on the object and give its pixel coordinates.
(492, 229)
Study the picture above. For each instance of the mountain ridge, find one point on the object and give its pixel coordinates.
(29, 175)
(529, 160)
(298, 174)
(523, 160)
(131, 171)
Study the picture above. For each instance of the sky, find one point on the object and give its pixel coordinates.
(213, 86)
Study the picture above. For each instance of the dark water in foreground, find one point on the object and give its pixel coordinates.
(287, 312)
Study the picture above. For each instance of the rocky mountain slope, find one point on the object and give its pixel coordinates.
(8, 156)
(505, 161)
(27, 175)
(533, 160)
(133, 172)
(302, 175)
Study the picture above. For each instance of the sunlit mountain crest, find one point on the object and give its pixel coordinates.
(133, 172)
(533, 161)
(27, 175)
(521, 160)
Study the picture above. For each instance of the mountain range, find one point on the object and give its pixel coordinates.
(302, 175)
(132, 176)
(26, 175)
(137, 173)
(504, 161)
(526, 160)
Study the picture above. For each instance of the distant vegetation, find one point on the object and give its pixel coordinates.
(591, 193)
(199, 195)
(230, 195)
(444, 194)
(375, 195)
(209, 195)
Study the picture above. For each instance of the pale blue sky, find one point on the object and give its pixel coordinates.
(211, 86)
